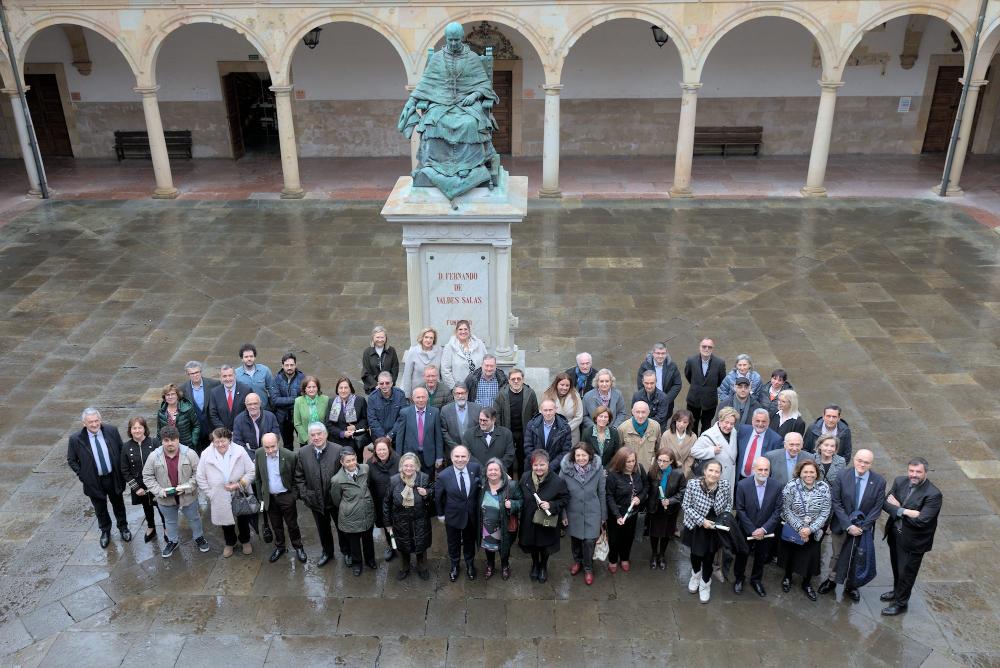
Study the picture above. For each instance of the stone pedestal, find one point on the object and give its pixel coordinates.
(458, 260)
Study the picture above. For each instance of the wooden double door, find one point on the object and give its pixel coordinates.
(45, 107)
(944, 109)
(503, 112)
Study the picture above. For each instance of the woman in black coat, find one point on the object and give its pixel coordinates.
(134, 455)
(407, 511)
(378, 357)
(664, 497)
(347, 421)
(787, 418)
(383, 464)
(626, 492)
(539, 531)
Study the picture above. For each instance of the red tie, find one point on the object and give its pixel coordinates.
(751, 455)
(229, 400)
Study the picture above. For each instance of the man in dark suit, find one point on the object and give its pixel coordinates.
(275, 468)
(198, 390)
(660, 408)
(857, 496)
(755, 440)
(666, 379)
(456, 492)
(94, 454)
(757, 504)
(418, 430)
(488, 439)
(913, 505)
(704, 373)
(457, 417)
(227, 400)
(315, 464)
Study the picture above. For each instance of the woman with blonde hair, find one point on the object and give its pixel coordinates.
(426, 352)
(787, 418)
(462, 355)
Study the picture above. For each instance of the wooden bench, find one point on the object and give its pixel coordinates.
(136, 144)
(749, 137)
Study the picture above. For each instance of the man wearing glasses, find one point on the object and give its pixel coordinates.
(704, 373)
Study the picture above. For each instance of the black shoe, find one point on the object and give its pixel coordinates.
(853, 594)
(826, 587)
(887, 596)
(423, 573)
(267, 535)
(278, 551)
(470, 570)
(810, 592)
(149, 537)
(202, 544)
(168, 549)
(534, 572)
(389, 554)
(453, 574)
(543, 573)
(893, 610)
(300, 553)
(759, 588)
(402, 575)
(357, 570)
(348, 560)
(324, 559)
(105, 539)
(738, 586)
(126, 535)
(786, 585)
(372, 564)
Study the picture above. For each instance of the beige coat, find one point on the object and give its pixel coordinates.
(564, 407)
(211, 478)
(644, 446)
(156, 479)
(681, 449)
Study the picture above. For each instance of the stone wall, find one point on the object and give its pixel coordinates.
(96, 123)
(993, 147)
(8, 134)
(207, 122)
(349, 128)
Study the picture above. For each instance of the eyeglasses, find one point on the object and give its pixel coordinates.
(708, 347)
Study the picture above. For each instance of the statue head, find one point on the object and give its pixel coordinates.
(454, 33)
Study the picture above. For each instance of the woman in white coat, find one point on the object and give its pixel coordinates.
(718, 442)
(223, 469)
(462, 355)
(425, 353)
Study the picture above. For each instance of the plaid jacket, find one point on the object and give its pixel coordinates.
(697, 502)
(798, 503)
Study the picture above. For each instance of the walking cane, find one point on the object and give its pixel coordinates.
(850, 560)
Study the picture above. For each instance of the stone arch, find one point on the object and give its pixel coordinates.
(961, 27)
(152, 46)
(674, 31)
(827, 48)
(6, 73)
(988, 45)
(499, 17)
(27, 33)
(296, 33)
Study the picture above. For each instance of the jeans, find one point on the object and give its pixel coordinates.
(170, 520)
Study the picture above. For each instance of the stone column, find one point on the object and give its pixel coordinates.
(501, 311)
(550, 143)
(34, 187)
(286, 140)
(685, 141)
(157, 144)
(821, 140)
(964, 137)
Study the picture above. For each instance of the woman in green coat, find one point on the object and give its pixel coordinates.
(355, 509)
(499, 500)
(311, 406)
(176, 411)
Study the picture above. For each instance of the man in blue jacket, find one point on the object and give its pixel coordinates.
(384, 404)
(757, 504)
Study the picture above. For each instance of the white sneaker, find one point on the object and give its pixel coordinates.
(693, 582)
(704, 591)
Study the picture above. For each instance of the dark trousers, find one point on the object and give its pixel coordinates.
(658, 546)
(583, 552)
(147, 507)
(703, 565)
(620, 539)
(288, 437)
(281, 509)
(362, 547)
(905, 566)
(107, 483)
(517, 468)
(429, 471)
(239, 531)
(702, 417)
(761, 551)
(461, 541)
(323, 522)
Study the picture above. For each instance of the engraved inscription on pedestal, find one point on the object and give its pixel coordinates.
(458, 288)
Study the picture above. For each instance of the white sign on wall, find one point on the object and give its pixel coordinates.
(458, 288)
(904, 104)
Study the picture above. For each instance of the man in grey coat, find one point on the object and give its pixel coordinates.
(457, 417)
(783, 462)
(315, 465)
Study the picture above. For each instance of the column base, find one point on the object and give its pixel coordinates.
(813, 191)
(292, 193)
(34, 192)
(681, 193)
(550, 193)
(953, 191)
(165, 193)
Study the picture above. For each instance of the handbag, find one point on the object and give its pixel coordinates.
(640, 526)
(512, 523)
(601, 548)
(244, 502)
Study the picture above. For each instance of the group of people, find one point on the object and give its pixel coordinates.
(737, 474)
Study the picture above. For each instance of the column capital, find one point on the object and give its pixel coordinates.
(13, 91)
(552, 89)
(282, 90)
(410, 88)
(975, 83)
(830, 85)
(691, 86)
(146, 91)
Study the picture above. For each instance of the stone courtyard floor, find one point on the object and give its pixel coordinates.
(890, 308)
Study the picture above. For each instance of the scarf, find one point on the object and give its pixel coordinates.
(580, 472)
(599, 441)
(641, 430)
(313, 411)
(604, 398)
(536, 481)
(581, 381)
(664, 478)
(407, 493)
(350, 414)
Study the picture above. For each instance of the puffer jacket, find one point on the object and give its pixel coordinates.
(187, 422)
(411, 527)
